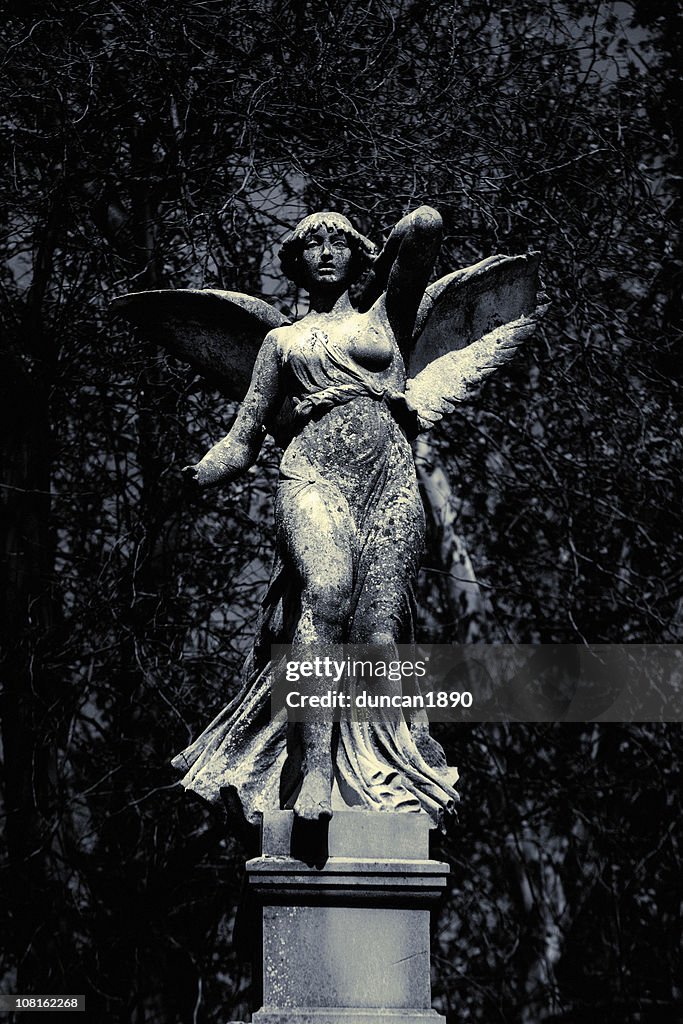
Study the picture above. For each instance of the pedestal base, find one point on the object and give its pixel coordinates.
(345, 911)
(338, 1015)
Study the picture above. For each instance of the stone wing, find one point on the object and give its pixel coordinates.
(470, 323)
(218, 333)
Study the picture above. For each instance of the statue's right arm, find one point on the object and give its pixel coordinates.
(402, 270)
(239, 449)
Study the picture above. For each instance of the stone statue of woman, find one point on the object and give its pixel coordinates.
(333, 390)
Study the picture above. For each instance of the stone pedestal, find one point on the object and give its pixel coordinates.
(345, 911)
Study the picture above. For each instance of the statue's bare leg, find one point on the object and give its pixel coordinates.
(318, 540)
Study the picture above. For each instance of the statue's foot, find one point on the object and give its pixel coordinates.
(314, 802)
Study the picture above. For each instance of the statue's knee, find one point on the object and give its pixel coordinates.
(329, 599)
(382, 638)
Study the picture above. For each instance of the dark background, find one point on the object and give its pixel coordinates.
(156, 144)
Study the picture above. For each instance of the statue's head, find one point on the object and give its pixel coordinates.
(339, 233)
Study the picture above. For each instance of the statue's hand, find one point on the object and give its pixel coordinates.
(225, 461)
(191, 484)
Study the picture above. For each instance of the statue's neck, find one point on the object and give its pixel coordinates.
(327, 301)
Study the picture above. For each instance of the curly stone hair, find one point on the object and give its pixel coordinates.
(364, 251)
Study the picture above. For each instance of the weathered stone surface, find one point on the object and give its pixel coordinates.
(350, 527)
(462, 307)
(349, 520)
(347, 941)
(342, 1015)
(351, 834)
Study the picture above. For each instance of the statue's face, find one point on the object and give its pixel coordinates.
(326, 258)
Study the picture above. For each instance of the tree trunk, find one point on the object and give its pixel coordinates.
(30, 609)
(462, 611)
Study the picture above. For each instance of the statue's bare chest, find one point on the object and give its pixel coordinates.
(358, 341)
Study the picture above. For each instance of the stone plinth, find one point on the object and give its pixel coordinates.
(345, 911)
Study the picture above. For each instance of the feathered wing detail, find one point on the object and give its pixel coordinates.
(452, 378)
(218, 333)
(470, 323)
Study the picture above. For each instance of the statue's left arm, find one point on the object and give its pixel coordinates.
(403, 268)
(239, 449)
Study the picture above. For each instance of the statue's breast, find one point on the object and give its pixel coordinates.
(372, 348)
(346, 345)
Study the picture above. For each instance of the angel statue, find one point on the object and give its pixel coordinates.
(343, 390)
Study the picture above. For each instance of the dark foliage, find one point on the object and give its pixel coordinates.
(159, 144)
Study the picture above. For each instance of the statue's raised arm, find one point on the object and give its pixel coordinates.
(349, 519)
(402, 271)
